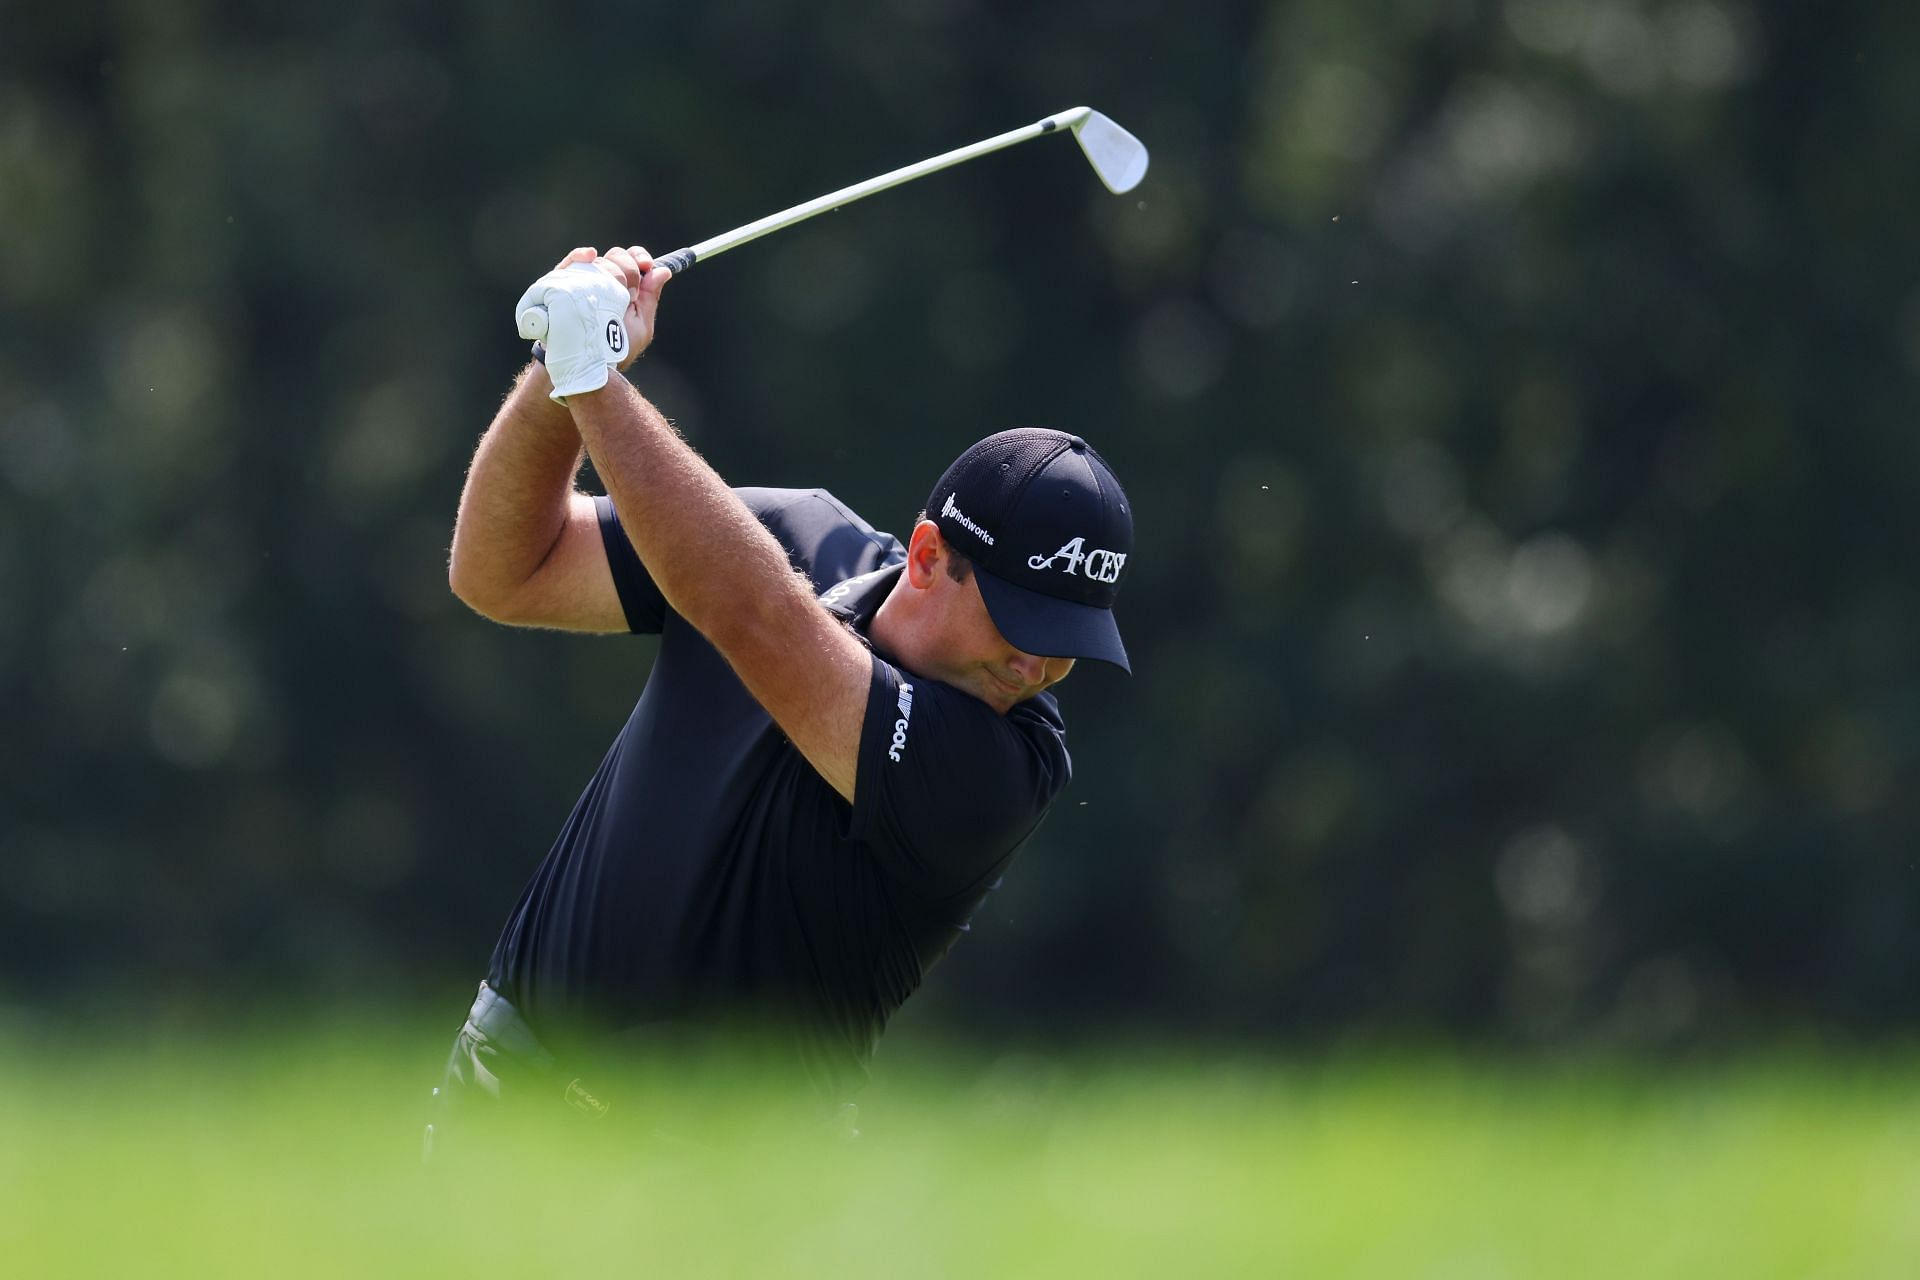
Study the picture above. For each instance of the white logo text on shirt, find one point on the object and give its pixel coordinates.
(900, 725)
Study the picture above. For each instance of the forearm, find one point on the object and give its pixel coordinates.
(515, 502)
(713, 561)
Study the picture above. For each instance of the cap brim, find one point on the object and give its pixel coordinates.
(1047, 627)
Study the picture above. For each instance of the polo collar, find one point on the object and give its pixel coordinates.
(856, 600)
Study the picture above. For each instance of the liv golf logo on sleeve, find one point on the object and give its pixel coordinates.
(900, 725)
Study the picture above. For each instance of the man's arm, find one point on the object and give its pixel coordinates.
(719, 568)
(526, 546)
(716, 564)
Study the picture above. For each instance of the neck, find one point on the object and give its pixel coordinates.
(893, 631)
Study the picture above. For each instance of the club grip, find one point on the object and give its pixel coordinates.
(677, 262)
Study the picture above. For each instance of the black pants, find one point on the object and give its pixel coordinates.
(498, 1061)
(496, 1057)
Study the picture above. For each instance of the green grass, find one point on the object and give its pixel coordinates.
(245, 1159)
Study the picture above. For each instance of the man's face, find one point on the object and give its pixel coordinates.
(977, 658)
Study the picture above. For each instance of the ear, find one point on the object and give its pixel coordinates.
(926, 551)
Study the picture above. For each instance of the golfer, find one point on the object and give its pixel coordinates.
(843, 741)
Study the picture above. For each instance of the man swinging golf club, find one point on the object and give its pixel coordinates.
(843, 741)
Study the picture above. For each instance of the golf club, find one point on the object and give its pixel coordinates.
(1116, 156)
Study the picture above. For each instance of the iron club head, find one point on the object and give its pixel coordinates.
(1116, 155)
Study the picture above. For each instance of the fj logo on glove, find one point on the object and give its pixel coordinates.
(1102, 566)
(616, 337)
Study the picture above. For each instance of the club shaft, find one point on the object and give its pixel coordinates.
(680, 259)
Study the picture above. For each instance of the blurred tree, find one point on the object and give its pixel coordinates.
(1517, 397)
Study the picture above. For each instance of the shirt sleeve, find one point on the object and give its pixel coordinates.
(822, 536)
(826, 540)
(946, 789)
(640, 600)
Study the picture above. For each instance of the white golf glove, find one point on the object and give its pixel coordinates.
(586, 333)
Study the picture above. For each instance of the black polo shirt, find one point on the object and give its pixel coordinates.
(708, 872)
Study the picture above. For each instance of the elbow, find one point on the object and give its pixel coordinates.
(471, 589)
(460, 577)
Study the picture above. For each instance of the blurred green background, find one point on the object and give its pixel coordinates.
(1517, 397)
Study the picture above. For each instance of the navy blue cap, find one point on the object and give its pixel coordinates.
(1048, 530)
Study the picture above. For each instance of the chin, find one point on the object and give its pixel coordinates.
(1004, 696)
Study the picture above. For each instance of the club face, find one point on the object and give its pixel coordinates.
(1116, 155)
